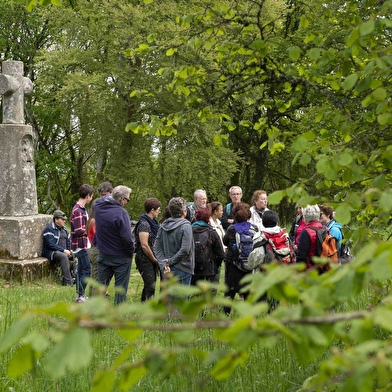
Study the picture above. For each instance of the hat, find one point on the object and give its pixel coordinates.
(59, 214)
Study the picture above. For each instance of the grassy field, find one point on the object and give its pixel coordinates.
(266, 370)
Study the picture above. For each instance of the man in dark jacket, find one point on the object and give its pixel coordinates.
(114, 240)
(174, 246)
(57, 246)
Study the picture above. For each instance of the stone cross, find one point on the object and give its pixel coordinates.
(14, 86)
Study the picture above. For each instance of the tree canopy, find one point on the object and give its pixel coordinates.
(290, 96)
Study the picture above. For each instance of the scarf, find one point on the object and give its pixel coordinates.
(154, 224)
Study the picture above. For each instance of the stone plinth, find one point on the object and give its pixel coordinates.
(22, 271)
(21, 237)
(17, 171)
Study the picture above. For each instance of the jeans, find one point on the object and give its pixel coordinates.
(84, 271)
(120, 267)
(183, 277)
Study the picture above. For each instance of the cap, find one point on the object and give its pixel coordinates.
(59, 214)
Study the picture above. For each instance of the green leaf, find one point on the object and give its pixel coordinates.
(276, 197)
(314, 53)
(367, 27)
(73, 353)
(103, 381)
(130, 376)
(350, 81)
(352, 38)
(345, 159)
(22, 361)
(15, 333)
(343, 214)
(379, 94)
(384, 118)
(225, 366)
(294, 53)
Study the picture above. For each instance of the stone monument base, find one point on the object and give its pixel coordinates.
(21, 237)
(22, 271)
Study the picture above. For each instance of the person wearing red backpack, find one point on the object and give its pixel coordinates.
(307, 242)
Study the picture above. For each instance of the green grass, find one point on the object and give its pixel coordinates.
(267, 369)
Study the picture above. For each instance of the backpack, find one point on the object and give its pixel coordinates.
(262, 253)
(327, 246)
(280, 244)
(204, 258)
(242, 248)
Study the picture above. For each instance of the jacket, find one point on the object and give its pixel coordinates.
(51, 237)
(335, 228)
(114, 234)
(175, 242)
(256, 219)
(307, 244)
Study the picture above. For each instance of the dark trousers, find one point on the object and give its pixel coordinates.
(84, 271)
(62, 258)
(148, 271)
(120, 268)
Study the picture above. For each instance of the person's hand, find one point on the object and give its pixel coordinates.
(67, 252)
(166, 269)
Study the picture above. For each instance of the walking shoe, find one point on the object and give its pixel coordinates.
(82, 298)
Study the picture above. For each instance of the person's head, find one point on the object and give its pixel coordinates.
(241, 212)
(105, 188)
(200, 198)
(86, 190)
(59, 218)
(311, 213)
(216, 209)
(235, 193)
(165, 215)
(299, 208)
(121, 193)
(326, 214)
(152, 206)
(203, 214)
(270, 218)
(177, 207)
(259, 199)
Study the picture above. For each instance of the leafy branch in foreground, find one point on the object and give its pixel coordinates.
(310, 317)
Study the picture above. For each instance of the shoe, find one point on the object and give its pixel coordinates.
(82, 298)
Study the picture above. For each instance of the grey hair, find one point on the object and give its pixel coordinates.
(197, 193)
(311, 213)
(176, 206)
(234, 188)
(120, 192)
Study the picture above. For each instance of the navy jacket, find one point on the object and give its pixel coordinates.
(51, 237)
(114, 233)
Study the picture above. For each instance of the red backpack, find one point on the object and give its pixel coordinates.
(280, 244)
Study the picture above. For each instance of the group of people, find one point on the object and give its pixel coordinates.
(190, 241)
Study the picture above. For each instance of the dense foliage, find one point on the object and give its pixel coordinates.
(290, 96)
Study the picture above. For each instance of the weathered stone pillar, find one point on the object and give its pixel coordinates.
(20, 224)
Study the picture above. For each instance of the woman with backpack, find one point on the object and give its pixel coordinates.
(145, 232)
(239, 242)
(208, 247)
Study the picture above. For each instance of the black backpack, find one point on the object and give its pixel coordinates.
(204, 258)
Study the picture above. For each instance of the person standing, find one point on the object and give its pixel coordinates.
(105, 189)
(146, 232)
(79, 239)
(174, 245)
(200, 201)
(208, 247)
(114, 240)
(57, 246)
(307, 242)
(327, 219)
(296, 228)
(260, 201)
(235, 193)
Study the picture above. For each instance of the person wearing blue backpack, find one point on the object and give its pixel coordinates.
(239, 241)
(227, 219)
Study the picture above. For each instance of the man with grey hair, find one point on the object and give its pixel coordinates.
(227, 219)
(114, 240)
(200, 201)
(307, 241)
(174, 246)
